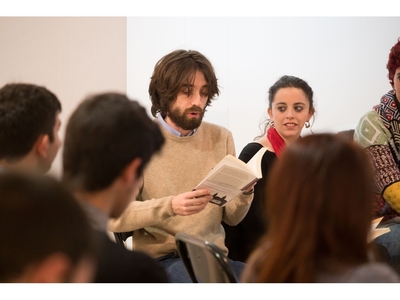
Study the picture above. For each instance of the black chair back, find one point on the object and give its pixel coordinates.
(204, 261)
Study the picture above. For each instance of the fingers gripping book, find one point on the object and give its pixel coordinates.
(231, 176)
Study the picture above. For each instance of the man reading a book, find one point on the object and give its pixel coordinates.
(182, 86)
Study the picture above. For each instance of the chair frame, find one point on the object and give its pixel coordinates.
(120, 237)
(204, 261)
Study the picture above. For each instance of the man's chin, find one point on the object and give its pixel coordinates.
(193, 125)
(187, 123)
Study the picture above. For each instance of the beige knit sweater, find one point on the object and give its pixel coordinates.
(181, 165)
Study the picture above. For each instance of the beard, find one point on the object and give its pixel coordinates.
(183, 121)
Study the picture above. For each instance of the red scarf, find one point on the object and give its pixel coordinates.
(277, 142)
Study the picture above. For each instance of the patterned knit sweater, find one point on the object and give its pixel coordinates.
(372, 134)
(181, 165)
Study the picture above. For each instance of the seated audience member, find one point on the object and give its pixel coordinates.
(45, 234)
(290, 109)
(378, 131)
(109, 141)
(29, 122)
(319, 207)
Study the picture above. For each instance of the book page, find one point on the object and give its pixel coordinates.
(255, 162)
(233, 162)
(227, 183)
(375, 222)
(375, 232)
(378, 232)
(230, 177)
(228, 180)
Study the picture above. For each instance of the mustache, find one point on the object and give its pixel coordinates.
(194, 108)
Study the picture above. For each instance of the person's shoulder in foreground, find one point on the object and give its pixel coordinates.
(46, 236)
(127, 266)
(376, 272)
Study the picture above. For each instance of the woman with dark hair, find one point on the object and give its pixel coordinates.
(290, 108)
(379, 132)
(312, 193)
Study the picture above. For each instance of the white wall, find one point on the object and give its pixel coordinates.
(71, 56)
(342, 58)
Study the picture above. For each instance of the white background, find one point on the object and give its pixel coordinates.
(247, 52)
(342, 58)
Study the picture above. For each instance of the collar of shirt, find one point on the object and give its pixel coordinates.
(97, 217)
(170, 129)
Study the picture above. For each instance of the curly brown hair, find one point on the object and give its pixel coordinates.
(394, 61)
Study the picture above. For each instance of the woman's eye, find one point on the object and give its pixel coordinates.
(281, 109)
(298, 108)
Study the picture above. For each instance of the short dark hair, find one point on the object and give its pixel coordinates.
(39, 217)
(104, 134)
(26, 112)
(175, 70)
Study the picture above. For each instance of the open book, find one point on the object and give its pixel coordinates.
(375, 232)
(231, 176)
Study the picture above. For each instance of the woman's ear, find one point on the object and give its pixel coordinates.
(269, 111)
(311, 113)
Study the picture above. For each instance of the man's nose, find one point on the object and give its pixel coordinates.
(196, 99)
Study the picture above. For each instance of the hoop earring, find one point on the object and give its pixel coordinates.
(307, 124)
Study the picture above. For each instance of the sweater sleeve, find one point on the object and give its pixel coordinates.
(375, 137)
(140, 214)
(236, 210)
(370, 130)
